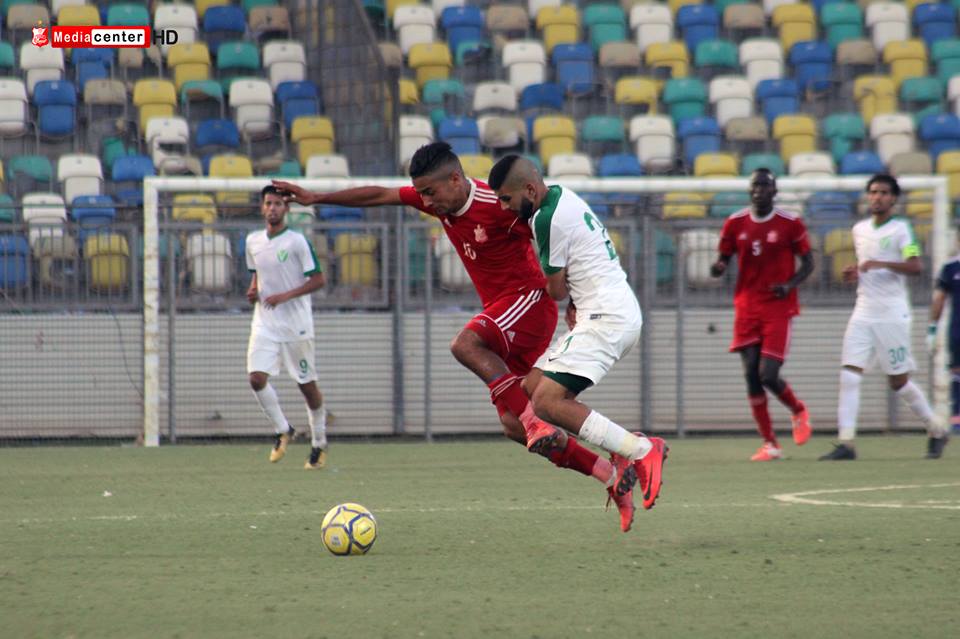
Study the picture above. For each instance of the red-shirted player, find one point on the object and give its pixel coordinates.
(502, 343)
(766, 241)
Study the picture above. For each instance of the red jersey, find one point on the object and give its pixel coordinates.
(493, 244)
(766, 255)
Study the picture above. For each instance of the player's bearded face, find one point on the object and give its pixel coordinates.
(526, 208)
(273, 209)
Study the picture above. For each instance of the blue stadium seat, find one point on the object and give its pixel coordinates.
(14, 255)
(56, 102)
(219, 133)
(340, 214)
(941, 132)
(296, 99)
(698, 22)
(91, 64)
(573, 65)
(462, 25)
(935, 21)
(546, 96)
(619, 165)
(861, 163)
(131, 168)
(777, 97)
(699, 135)
(93, 213)
(461, 134)
(831, 205)
(812, 63)
(221, 24)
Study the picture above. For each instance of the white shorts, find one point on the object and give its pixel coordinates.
(264, 355)
(884, 344)
(591, 349)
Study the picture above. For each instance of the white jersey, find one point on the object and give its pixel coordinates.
(282, 262)
(569, 235)
(882, 293)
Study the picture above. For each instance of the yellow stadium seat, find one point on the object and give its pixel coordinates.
(409, 93)
(476, 166)
(796, 23)
(681, 204)
(313, 146)
(190, 52)
(919, 204)
(906, 59)
(393, 4)
(875, 94)
(554, 134)
(558, 25)
(355, 254)
(194, 207)
(202, 5)
(669, 55)
(155, 97)
(229, 165)
(149, 111)
(188, 72)
(313, 135)
(837, 240)
(716, 165)
(107, 256)
(636, 91)
(840, 260)
(948, 163)
(430, 61)
(85, 15)
(796, 134)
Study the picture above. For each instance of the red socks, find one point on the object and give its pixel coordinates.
(788, 399)
(507, 394)
(581, 459)
(758, 404)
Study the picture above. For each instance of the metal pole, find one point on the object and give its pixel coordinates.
(398, 419)
(171, 336)
(680, 277)
(427, 339)
(648, 278)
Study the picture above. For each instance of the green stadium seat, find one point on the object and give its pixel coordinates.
(602, 134)
(253, 4)
(841, 21)
(33, 167)
(202, 91)
(921, 97)
(843, 131)
(685, 98)
(720, 56)
(754, 161)
(288, 168)
(604, 23)
(725, 204)
(666, 256)
(127, 14)
(8, 210)
(235, 60)
(7, 61)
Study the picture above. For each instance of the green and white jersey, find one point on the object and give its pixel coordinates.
(282, 262)
(569, 235)
(882, 293)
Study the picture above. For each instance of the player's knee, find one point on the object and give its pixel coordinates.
(771, 380)
(754, 385)
(461, 346)
(258, 381)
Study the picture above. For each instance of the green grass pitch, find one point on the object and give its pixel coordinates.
(477, 539)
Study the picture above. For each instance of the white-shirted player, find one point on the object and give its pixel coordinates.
(285, 272)
(878, 332)
(603, 316)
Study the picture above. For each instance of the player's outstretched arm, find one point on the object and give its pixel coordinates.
(362, 196)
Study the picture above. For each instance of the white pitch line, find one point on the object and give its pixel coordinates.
(804, 497)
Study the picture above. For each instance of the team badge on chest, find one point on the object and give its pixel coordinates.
(772, 237)
(480, 234)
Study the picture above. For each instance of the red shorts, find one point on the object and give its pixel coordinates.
(771, 331)
(518, 328)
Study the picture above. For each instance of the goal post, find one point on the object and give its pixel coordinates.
(154, 187)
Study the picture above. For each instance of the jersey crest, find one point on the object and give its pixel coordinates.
(772, 237)
(480, 234)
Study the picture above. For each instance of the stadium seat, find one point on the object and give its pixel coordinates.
(313, 135)
(712, 57)
(40, 64)
(906, 59)
(154, 97)
(414, 24)
(940, 132)
(875, 94)
(812, 63)
(698, 23)
(57, 260)
(761, 59)
(7, 60)
(27, 173)
(699, 135)
(189, 62)
(296, 99)
(935, 21)
(946, 56)
(770, 161)
(636, 95)
(251, 100)
(685, 98)
(168, 141)
(602, 134)
(888, 22)
(130, 169)
(444, 98)
(223, 24)
(209, 262)
(731, 97)
(741, 21)
(778, 97)
(921, 96)
(476, 165)
(8, 211)
(843, 131)
(861, 163)
(269, 23)
(565, 166)
(181, 18)
(430, 61)
(407, 91)
(668, 59)
(828, 206)
(494, 97)
(619, 165)
(83, 15)
(684, 204)
(461, 134)
(699, 248)
(654, 138)
(56, 102)
(811, 165)
(558, 24)
(506, 22)
(107, 257)
(574, 69)
(285, 61)
(45, 216)
(91, 64)
(948, 164)
(127, 15)
(463, 25)
(604, 23)
(653, 24)
(795, 23)
(202, 99)
(892, 133)
(796, 134)
(92, 214)
(498, 132)
(715, 165)
(356, 259)
(414, 132)
(525, 61)
(79, 174)
(231, 165)
(194, 207)
(21, 18)
(745, 135)
(14, 262)
(237, 60)
(911, 163)
(552, 135)
(541, 98)
(842, 21)
(216, 136)
(726, 203)
(14, 110)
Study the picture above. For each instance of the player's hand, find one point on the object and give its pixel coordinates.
(868, 265)
(275, 300)
(780, 291)
(718, 268)
(849, 274)
(931, 339)
(252, 295)
(570, 317)
(293, 193)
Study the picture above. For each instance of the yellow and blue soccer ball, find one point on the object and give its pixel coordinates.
(349, 529)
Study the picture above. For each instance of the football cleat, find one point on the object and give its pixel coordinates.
(317, 460)
(280, 444)
(935, 446)
(801, 427)
(767, 452)
(624, 502)
(649, 471)
(840, 452)
(542, 437)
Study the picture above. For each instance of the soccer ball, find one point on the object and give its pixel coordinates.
(349, 529)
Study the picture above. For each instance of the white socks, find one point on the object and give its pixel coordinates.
(318, 426)
(917, 401)
(849, 404)
(270, 403)
(600, 431)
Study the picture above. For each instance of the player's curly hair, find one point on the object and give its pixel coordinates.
(885, 178)
(431, 157)
(270, 190)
